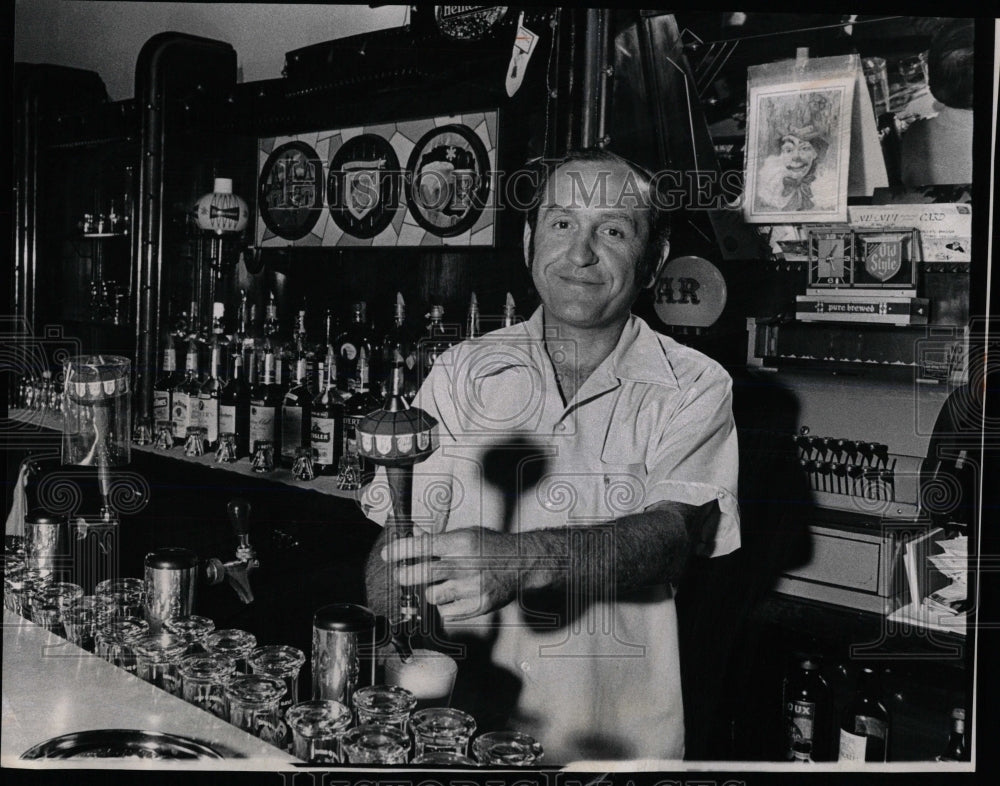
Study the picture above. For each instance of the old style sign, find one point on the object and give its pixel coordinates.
(690, 292)
(883, 257)
(362, 186)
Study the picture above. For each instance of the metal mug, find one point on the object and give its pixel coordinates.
(343, 638)
(171, 575)
(44, 542)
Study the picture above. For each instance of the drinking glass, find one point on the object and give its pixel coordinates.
(511, 748)
(302, 468)
(283, 663)
(164, 434)
(203, 679)
(81, 620)
(156, 656)
(317, 727)
(142, 433)
(194, 441)
(114, 639)
(233, 643)
(441, 729)
(193, 629)
(122, 597)
(51, 601)
(384, 705)
(19, 588)
(263, 456)
(226, 453)
(252, 705)
(375, 745)
(429, 675)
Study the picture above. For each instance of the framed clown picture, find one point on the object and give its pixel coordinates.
(798, 151)
(423, 182)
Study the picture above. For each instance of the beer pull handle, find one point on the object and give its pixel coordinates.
(236, 571)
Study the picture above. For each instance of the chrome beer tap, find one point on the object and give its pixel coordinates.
(236, 571)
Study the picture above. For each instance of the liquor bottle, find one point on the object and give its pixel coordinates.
(436, 339)
(296, 412)
(399, 341)
(302, 347)
(361, 402)
(251, 339)
(864, 731)
(956, 749)
(211, 391)
(349, 344)
(807, 707)
(508, 311)
(265, 404)
(218, 336)
(234, 405)
(326, 433)
(472, 319)
(164, 386)
(184, 402)
(271, 325)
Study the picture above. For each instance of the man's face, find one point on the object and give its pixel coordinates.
(591, 232)
(798, 156)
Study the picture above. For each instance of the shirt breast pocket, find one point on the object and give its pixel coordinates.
(624, 481)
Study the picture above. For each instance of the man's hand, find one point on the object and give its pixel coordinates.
(467, 572)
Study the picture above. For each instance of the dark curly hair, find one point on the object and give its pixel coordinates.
(950, 63)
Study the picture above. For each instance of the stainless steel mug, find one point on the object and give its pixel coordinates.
(343, 639)
(45, 543)
(171, 574)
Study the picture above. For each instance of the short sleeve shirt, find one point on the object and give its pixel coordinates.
(652, 423)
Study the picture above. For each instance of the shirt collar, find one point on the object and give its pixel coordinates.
(638, 356)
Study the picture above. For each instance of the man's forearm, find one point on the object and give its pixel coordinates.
(634, 551)
(377, 589)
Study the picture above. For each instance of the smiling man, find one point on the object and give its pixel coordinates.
(791, 179)
(582, 458)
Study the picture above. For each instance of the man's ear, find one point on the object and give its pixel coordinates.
(527, 241)
(664, 253)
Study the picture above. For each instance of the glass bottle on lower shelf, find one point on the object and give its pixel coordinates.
(864, 731)
(326, 434)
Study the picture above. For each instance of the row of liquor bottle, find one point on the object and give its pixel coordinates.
(417, 348)
(246, 391)
(860, 734)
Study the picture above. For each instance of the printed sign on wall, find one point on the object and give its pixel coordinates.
(412, 183)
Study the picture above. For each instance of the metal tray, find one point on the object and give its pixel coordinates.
(121, 744)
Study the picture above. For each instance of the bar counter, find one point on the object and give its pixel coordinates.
(52, 687)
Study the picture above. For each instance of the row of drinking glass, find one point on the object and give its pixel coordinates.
(262, 459)
(255, 688)
(388, 729)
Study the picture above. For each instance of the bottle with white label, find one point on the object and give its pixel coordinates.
(296, 411)
(184, 402)
(349, 344)
(163, 387)
(807, 707)
(326, 432)
(209, 395)
(234, 405)
(864, 731)
(265, 404)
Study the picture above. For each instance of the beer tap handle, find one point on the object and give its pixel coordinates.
(239, 517)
